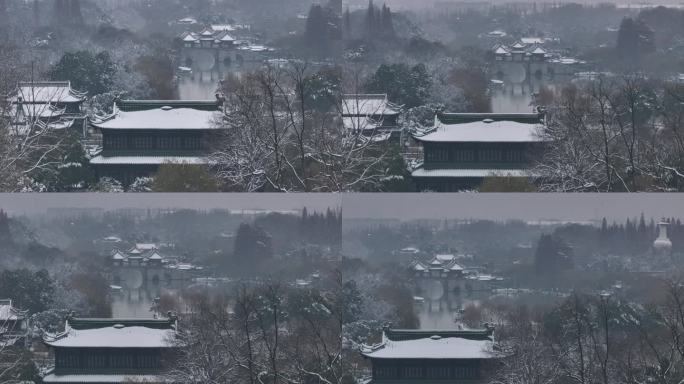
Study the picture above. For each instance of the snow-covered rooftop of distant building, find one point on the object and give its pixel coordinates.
(465, 127)
(146, 246)
(9, 313)
(161, 118)
(451, 172)
(438, 346)
(533, 40)
(497, 33)
(47, 92)
(368, 105)
(187, 20)
(148, 160)
(223, 27)
(86, 378)
(112, 337)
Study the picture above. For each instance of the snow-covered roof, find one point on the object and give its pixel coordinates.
(190, 37)
(225, 36)
(501, 50)
(518, 45)
(459, 172)
(538, 50)
(161, 118)
(223, 27)
(419, 267)
(368, 105)
(533, 40)
(360, 123)
(114, 333)
(486, 127)
(9, 313)
(47, 92)
(102, 378)
(146, 246)
(498, 33)
(148, 160)
(445, 257)
(426, 344)
(43, 111)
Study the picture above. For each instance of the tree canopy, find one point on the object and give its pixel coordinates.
(92, 73)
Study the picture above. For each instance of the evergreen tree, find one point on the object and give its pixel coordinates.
(87, 72)
(347, 22)
(5, 235)
(75, 14)
(316, 27)
(387, 23)
(370, 20)
(33, 291)
(635, 39)
(404, 85)
(252, 247)
(553, 255)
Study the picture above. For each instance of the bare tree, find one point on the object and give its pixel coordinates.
(277, 138)
(614, 134)
(266, 333)
(31, 135)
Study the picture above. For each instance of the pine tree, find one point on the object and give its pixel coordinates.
(5, 235)
(387, 23)
(75, 13)
(347, 22)
(370, 19)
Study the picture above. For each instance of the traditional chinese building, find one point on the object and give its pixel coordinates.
(14, 325)
(370, 115)
(434, 356)
(220, 48)
(528, 50)
(443, 268)
(462, 149)
(112, 350)
(52, 104)
(140, 135)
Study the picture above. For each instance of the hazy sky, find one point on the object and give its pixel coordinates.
(37, 203)
(531, 206)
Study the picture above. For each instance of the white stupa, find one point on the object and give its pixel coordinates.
(662, 243)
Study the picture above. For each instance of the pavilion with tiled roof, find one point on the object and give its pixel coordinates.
(112, 350)
(462, 149)
(431, 356)
(140, 135)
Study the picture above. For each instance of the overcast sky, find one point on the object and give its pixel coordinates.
(529, 207)
(37, 203)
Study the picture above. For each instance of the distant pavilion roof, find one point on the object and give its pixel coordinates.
(484, 127)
